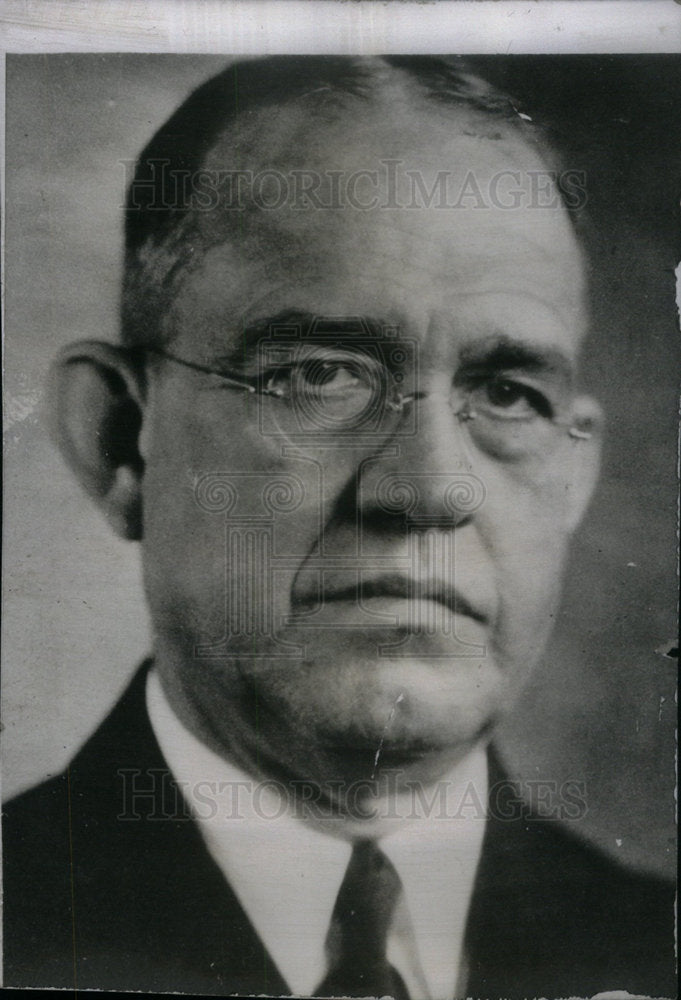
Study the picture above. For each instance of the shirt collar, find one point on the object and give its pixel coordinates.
(286, 873)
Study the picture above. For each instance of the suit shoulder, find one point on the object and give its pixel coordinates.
(36, 882)
(582, 921)
(39, 814)
(591, 863)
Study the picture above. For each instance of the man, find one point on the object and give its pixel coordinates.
(344, 427)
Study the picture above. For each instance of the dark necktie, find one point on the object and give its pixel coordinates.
(358, 966)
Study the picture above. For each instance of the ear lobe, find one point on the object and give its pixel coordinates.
(587, 457)
(96, 399)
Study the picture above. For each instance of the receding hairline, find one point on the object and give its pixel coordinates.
(228, 112)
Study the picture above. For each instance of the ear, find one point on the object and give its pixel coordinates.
(587, 445)
(96, 400)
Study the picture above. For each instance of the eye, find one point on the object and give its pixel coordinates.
(325, 378)
(509, 399)
(329, 377)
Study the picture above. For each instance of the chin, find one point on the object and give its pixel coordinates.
(411, 712)
(431, 705)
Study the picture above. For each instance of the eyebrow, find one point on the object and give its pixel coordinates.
(292, 323)
(501, 353)
(496, 353)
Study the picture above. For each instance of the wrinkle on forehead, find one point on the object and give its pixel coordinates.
(255, 262)
(383, 270)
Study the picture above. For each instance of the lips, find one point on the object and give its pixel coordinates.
(345, 588)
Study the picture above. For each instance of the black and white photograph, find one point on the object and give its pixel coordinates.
(341, 384)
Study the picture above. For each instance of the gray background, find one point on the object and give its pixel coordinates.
(602, 708)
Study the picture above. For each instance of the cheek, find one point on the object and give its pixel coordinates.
(525, 532)
(228, 523)
(183, 554)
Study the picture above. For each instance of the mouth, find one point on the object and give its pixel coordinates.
(391, 587)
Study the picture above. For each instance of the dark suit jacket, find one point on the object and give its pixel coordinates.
(96, 900)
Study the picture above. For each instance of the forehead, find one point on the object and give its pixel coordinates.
(417, 211)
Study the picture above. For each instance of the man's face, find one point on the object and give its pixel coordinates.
(326, 626)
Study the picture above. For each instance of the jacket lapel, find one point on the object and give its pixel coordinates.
(157, 909)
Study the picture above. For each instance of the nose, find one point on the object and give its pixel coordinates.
(423, 474)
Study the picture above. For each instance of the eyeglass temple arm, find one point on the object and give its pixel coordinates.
(229, 377)
(398, 405)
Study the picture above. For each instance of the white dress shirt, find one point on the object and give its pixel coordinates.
(286, 872)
